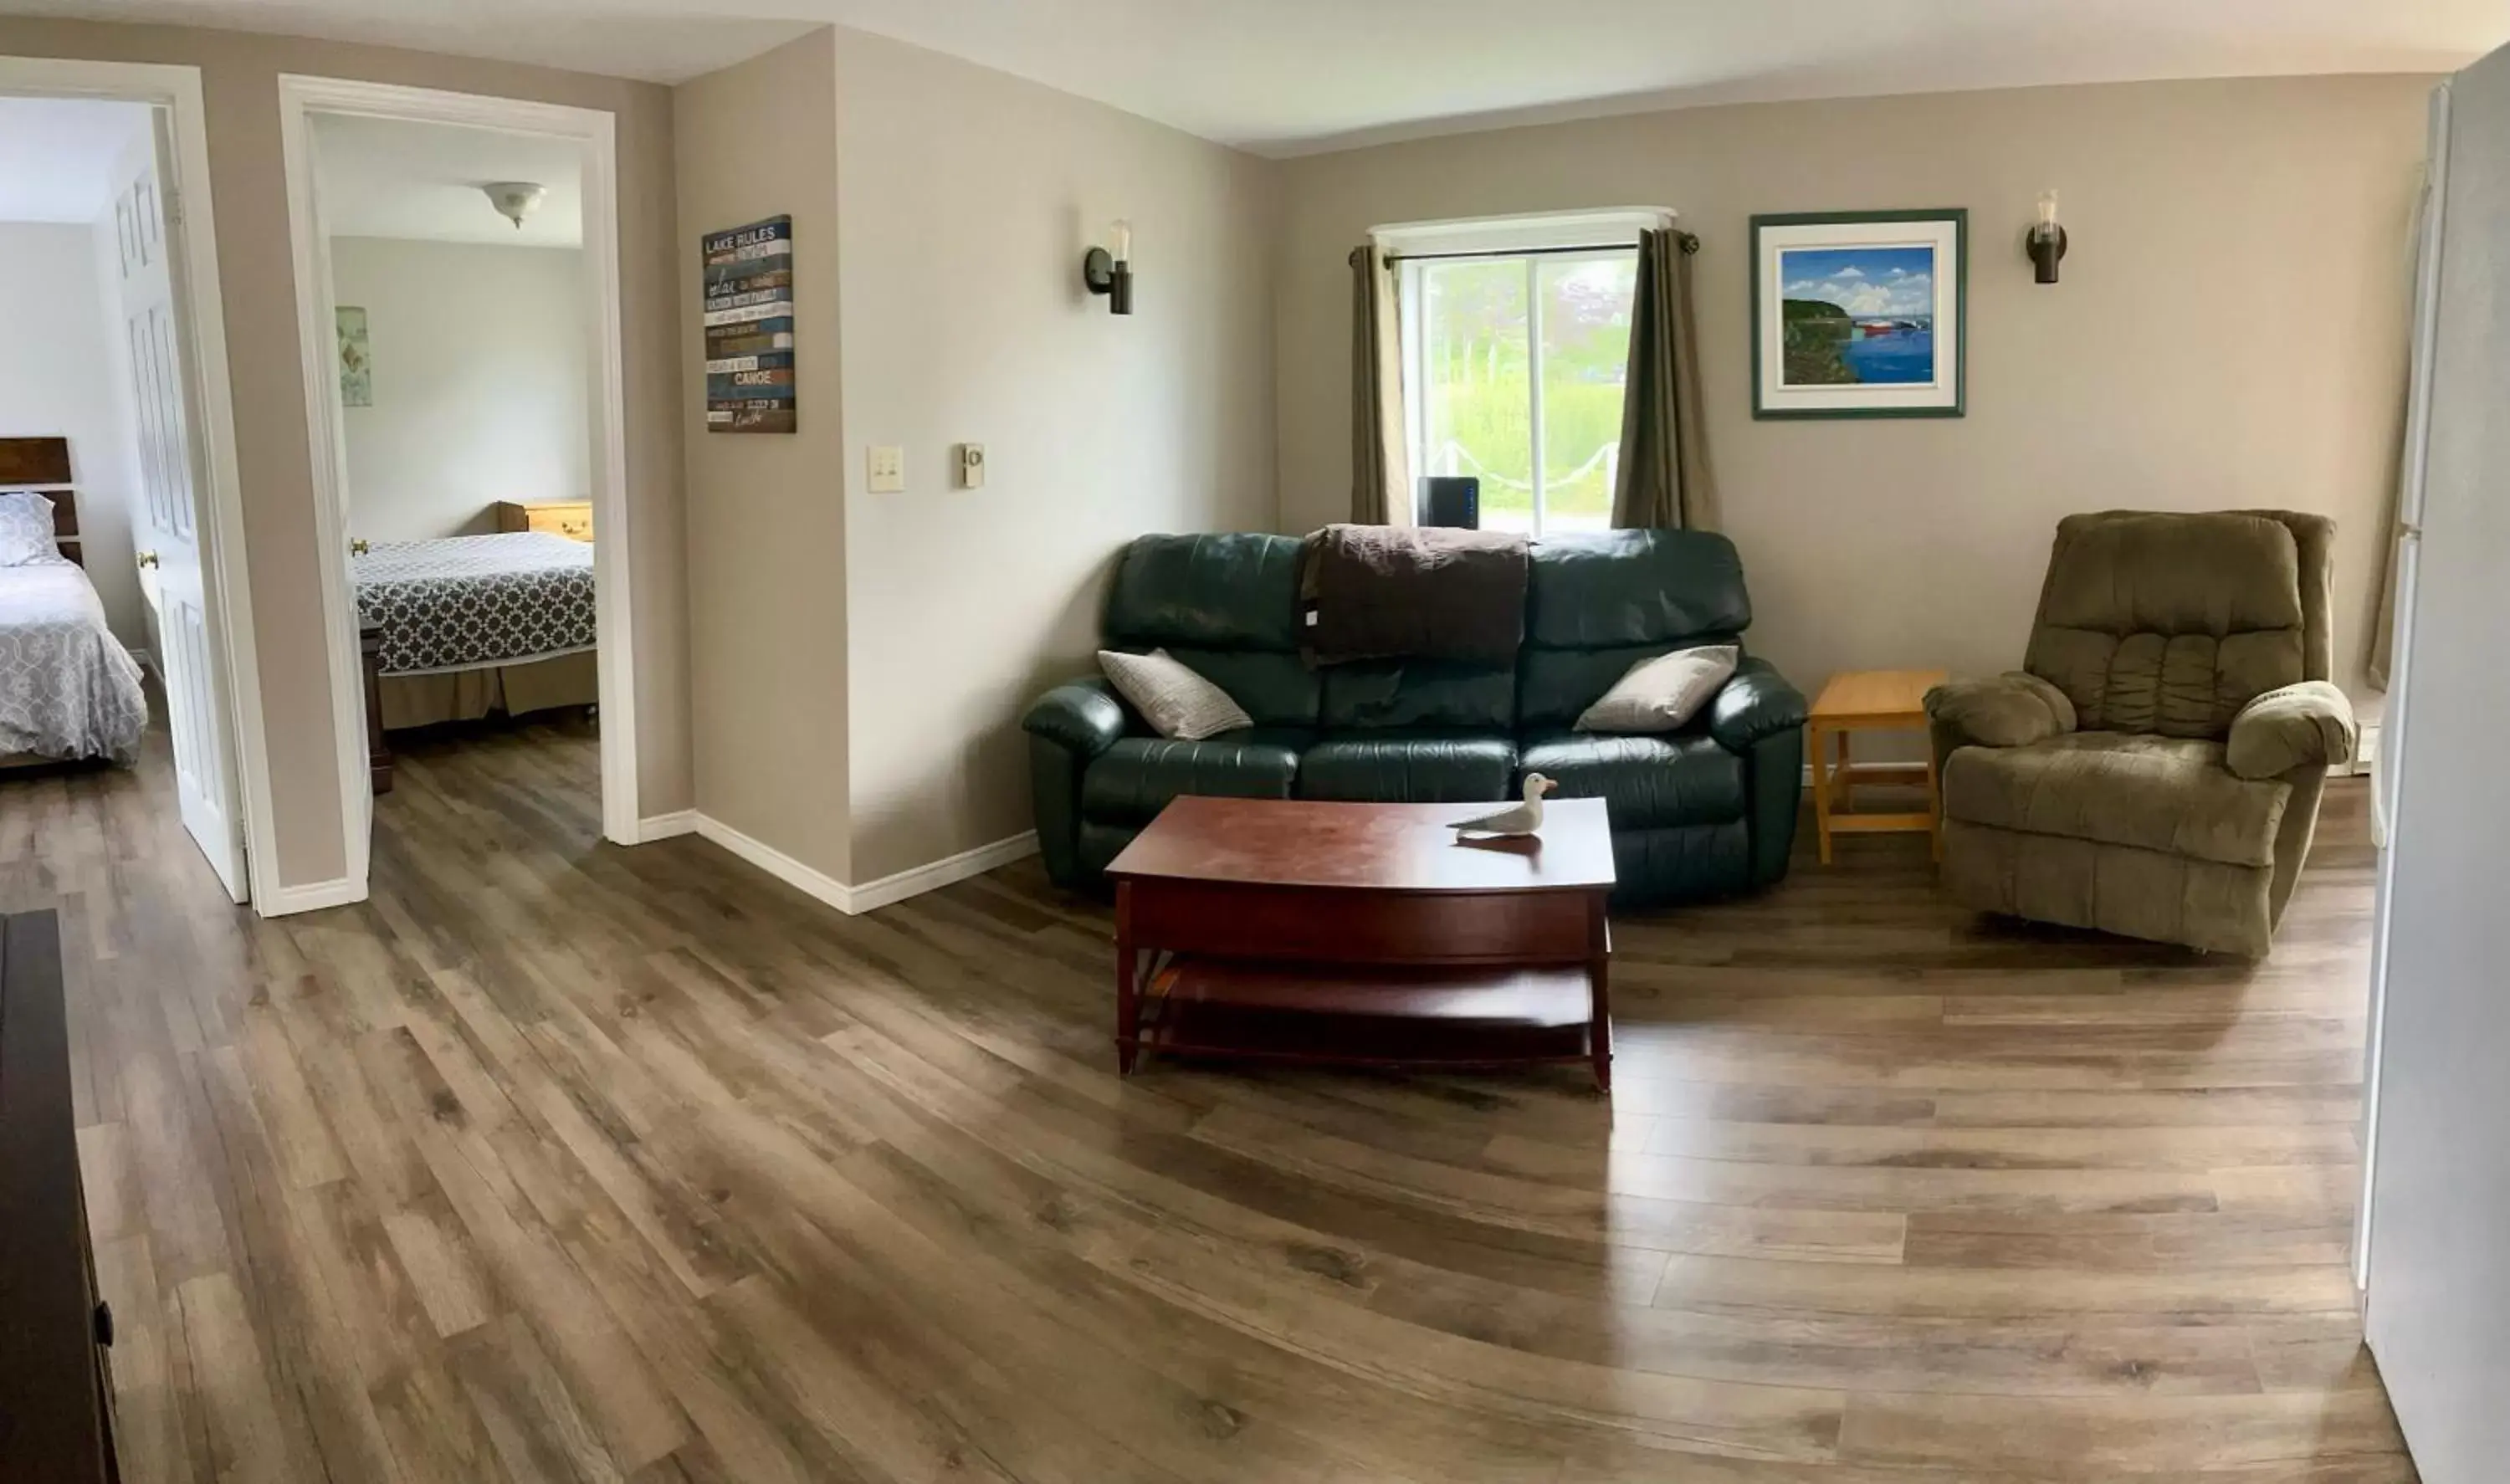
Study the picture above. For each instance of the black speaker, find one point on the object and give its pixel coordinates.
(1453, 500)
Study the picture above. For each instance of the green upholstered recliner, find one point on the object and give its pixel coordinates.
(2155, 767)
(1705, 811)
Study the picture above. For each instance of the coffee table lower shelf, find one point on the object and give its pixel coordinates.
(1379, 1015)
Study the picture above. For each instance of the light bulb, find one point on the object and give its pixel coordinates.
(2048, 211)
(1123, 249)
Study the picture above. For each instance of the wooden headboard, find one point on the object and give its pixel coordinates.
(43, 464)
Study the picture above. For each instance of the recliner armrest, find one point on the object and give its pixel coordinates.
(1756, 704)
(1083, 717)
(2296, 726)
(2012, 711)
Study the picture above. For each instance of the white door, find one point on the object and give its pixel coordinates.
(2438, 1303)
(165, 530)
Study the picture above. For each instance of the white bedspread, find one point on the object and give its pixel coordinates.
(67, 687)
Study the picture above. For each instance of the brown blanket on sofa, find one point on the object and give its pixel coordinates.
(1380, 591)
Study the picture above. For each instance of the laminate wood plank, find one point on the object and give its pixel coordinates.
(559, 1160)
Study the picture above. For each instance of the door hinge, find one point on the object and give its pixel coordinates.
(173, 207)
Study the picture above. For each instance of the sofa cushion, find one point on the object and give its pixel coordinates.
(1131, 782)
(1418, 694)
(1625, 589)
(1171, 697)
(1408, 768)
(1646, 783)
(1661, 695)
(2169, 622)
(2154, 793)
(1276, 687)
(1226, 590)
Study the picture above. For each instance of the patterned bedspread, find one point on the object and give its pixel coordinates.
(469, 601)
(67, 687)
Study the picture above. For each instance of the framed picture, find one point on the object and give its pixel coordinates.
(356, 361)
(1858, 314)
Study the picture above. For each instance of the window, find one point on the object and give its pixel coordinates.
(1514, 367)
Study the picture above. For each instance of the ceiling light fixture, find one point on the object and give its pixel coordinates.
(515, 200)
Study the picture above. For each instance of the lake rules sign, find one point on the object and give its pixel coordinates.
(749, 327)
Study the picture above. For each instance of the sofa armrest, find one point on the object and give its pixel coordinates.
(2298, 726)
(1083, 717)
(2012, 711)
(1757, 704)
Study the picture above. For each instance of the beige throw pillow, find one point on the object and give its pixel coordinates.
(1175, 701)
(1663, 694)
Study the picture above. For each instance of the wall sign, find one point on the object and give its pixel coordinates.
(749, 327)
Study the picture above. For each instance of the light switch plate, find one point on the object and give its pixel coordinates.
(887, 471)
(971, 466)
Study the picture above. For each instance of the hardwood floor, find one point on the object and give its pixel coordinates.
(559, 1161)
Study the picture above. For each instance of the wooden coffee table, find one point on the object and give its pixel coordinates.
(1363, 934)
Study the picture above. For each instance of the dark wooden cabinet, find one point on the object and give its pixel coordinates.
(56, 1332)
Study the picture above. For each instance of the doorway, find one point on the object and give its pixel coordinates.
(143, 502)
(529, 180)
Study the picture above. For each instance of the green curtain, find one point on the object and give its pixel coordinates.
(1665, 479)
(1381, 481)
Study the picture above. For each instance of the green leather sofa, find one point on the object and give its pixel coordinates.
(1706, 812)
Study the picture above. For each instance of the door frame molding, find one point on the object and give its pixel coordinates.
(594, 133)
(225, 576)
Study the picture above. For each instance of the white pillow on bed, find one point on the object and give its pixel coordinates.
(26, 530)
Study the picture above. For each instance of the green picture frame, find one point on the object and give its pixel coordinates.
(1838, 327)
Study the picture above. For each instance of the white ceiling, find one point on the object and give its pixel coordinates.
(56, 156)
(386, 178)
(1292, 76)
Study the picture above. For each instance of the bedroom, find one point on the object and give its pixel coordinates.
(461, 309)
(108, 648)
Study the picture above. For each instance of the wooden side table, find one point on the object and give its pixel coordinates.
(1869, 701)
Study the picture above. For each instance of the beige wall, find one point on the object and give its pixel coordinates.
(481, 383)
(2230, 331)
(766, 523)
(240, 74)
(966, 199)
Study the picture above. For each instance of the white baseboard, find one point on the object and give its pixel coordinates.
(313, 897)
(147, 662)
(654, 827)
(942, 872)
(854, 900)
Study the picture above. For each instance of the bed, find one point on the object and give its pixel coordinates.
(473, 624)
(69, 690)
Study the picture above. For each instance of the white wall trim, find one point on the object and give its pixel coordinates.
(855, 901)
(2365, 752)
(595, 131)
(918, 879)
(667, 826)
(225, 579)
(1521, 231)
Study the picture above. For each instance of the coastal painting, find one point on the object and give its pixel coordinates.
(1859, 315)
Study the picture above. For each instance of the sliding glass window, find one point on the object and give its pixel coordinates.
(1513, 368)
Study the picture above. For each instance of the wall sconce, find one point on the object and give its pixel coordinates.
(1112, 273)
(2046, 240)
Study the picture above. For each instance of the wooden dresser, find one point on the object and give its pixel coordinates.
(570, 518)
(56, 1382)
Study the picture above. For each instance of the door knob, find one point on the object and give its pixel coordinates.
(359, 546)
(148, 558)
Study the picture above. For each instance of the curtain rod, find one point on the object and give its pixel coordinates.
(1690, 244)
